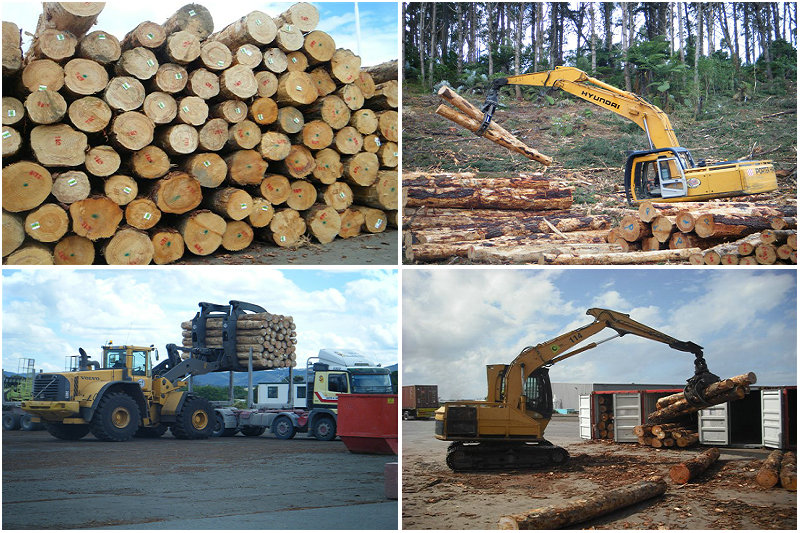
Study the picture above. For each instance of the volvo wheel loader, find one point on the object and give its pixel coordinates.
(664, 172)
(122, 395)
(507, 429)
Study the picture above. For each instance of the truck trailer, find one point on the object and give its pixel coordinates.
(331, 373)
(420, 401)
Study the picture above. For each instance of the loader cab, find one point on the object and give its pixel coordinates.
(538, 394)
(135, 359)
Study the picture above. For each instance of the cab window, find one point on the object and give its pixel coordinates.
(337, 382)
(115, 359)
(140, 362)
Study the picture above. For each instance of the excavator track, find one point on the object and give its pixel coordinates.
(468, 456)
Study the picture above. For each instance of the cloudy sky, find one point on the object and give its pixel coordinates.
(456, 321)
(49, 313)
(379, 40)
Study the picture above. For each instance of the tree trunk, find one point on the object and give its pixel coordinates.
(323, 222)
(238, 235)
(769, 473)
(75, 17)
(789, 471)
(202, 231)
(129, 246)
(95, 217)
(89, 114)
(580, 510)
(683, 472)
(479, 198)
(168, 245)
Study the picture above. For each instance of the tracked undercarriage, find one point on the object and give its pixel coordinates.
(467, 456)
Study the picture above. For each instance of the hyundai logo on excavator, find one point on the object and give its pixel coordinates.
(600, 99)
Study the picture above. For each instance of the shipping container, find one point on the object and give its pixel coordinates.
(420, 401)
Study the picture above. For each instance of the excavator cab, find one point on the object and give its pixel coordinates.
(658, 174)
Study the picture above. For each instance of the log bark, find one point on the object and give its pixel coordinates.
(580, 510)
(382, 72)
(769, 473)
(788, 472)
(720, 225)
(382, 194)
(683, 472)
(12, 49)
(13, 232)
(483, 198)
(256, 28)
(622, 258)
(230, 202)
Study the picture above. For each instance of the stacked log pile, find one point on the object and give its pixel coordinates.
(778, 467)
(272, 339)
(604, 427)
(520, 219)
(175, 138)
(722, 233)
(674, 434)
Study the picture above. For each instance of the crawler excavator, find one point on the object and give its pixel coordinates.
(664, 172)
(507, 429)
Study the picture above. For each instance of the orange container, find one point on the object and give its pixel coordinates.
(367, 423)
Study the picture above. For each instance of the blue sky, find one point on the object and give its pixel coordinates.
(379, 41)
(456, 321)
(49, 313)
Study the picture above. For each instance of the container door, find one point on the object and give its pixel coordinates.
(712, 425)
(627, 415)
(771, 419)
(585, 416)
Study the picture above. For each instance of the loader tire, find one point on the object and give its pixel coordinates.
(195, 420)
(67, 431)
(116, 418)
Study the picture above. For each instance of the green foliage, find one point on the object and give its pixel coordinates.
(583, 196)
(215, 393)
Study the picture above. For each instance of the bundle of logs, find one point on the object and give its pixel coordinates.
(672, 407)
(778, 467)
(177, 138)
(674, 434)
(712, 233)
(271, 338)
(490, 219)
(604, 427)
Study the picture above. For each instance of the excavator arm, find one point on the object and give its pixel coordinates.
(650, 118)
(560, 348)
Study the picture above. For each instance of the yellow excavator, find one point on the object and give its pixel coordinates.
(665, 172)
(507, 429)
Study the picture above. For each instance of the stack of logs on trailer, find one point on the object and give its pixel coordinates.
(272, 339)
(178, 138)
(671, 424)
(716, 233)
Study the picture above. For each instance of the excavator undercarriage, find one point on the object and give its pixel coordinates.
(503, 455)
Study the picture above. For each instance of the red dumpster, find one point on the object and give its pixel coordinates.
(367, 423)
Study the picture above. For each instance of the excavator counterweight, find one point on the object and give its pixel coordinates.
(664, 172)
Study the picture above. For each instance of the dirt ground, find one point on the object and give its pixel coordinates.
(724, 497)
(223, 483)
(369, 249)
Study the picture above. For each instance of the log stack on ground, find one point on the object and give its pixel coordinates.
(271, 337)
(583, 509)
(683, 472)
(674, 434)
(165, 120)
(789, 471)
(770, 472)
(725, 233)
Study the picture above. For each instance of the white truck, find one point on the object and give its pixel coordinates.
(308, 407)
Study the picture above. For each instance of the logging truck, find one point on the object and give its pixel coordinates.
(507, 429)
(330, 374)
(664, 172)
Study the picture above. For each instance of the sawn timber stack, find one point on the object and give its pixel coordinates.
(176, 137)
